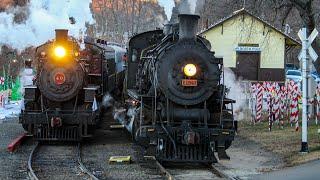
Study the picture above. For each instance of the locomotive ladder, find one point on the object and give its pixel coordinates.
(227, 110)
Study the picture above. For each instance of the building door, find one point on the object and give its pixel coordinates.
(248, 65)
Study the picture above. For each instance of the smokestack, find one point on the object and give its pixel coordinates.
(61, 35)
(167, 29)
(188, 25)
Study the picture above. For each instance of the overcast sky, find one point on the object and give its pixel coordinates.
(168, 5)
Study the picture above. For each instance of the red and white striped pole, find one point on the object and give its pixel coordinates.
(259, 102)
(276, 106)
(289, 97)
(294, 115)
(270, 113)
(283, 103)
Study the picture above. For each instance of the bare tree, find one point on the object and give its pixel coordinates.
(114, 18)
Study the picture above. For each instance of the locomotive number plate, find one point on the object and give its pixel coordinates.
(189, 82)
(59, 78)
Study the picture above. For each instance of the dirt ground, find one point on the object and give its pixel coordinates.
(248, 158)
(13, 165)
(284, 142)
(255, 150)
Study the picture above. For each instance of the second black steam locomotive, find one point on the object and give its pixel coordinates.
(175, 97)
(65, 103)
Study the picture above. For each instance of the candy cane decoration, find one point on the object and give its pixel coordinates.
(259, 102)
(283, 101)
(264, 84)
(294, 115)
(283, 104)
(276, 105)
(2, 80)
(269, 103)
(290, 86)
(269, 86)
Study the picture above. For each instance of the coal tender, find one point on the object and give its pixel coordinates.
(175, 96)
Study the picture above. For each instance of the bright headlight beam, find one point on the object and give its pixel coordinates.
(60, 51)
(190, 70)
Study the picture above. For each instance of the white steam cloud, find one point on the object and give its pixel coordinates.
(44, 16)
(236, 92)
(191, 6)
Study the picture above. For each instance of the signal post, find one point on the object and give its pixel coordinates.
(306, 52)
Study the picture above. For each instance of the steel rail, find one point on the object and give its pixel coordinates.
(82, 166)
(161, 168)
(215, 170)
(31, 173)
(221, 174)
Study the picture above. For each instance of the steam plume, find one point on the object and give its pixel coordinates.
(186, 7)
(42, 17)
(236, 92)
(191, 6)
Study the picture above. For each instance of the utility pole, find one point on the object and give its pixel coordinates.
(306, 52)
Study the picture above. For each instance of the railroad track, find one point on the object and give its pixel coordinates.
(205, 171)
(57, 162)
(220, 173)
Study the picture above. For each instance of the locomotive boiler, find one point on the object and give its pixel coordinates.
(65, 103)
(175, 98)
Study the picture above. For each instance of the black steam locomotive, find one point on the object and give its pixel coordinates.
(66, 101)
(176, 100)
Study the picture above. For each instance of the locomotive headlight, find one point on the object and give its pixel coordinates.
(60, 51)
(190, 70)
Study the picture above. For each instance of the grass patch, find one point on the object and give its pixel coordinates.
(285, 142)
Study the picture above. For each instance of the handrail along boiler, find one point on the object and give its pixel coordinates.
(176, 100)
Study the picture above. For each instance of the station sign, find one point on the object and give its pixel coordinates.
(248, 49)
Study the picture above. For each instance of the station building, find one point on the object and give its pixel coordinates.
(251, 47)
